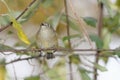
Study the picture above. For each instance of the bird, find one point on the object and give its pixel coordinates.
(47, 39)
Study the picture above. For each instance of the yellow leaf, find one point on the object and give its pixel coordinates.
(2, 69)
(2, 72)
(19, 30)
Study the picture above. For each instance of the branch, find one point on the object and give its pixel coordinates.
(100, 26)
(22, 59)
(5, 27)
(81, 23)
(68, 34)
(59, 55)
(57, 49)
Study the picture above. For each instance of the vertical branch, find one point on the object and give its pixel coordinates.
(68, 34)
(67, 21)
(100, 19)
(99, 26)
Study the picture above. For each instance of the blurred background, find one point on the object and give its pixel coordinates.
(83, 17)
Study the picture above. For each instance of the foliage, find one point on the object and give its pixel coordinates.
(32, 78)
(51, 11)
(99, 67)
(2, 69)
(84, 74)
(19, 30)
(90, 21)
(97, 40)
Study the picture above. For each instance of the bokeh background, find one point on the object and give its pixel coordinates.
(53, 12)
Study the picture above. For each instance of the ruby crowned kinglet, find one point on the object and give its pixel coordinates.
(47, 38)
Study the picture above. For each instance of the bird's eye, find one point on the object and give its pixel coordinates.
(45, 25)
(42, 24)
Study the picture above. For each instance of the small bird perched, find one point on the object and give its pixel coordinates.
(47, 38)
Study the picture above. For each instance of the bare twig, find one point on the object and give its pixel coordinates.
(60, 55)
(5, 27)
(100, 25)
(67, 20)
(68, 34)
(23, 51)
(22, 59)
(57, 49)
(81, 23)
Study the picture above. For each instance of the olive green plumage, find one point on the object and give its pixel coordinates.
(47, 38)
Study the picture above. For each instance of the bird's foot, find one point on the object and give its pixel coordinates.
(50, 55)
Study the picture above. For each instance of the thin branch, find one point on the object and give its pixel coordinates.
(67, 21)
(5, 27)
(81, 23)
(68, 34)
(59, 55)
(70, 69)
(22, 59)
(59, 49)
(100, 20)
(100, 26)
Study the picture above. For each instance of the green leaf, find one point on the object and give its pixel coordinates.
(112, 23)
(4, 20)
(72, 23)
(70, 37)
(75, 59)
(19, 30)
(106, 36)
(32, 78)
(9, 32)
(55, 20)
(5, 47)
(106, 55)
(90, 21)
(97, 40)
(84, 74)
(99, 67)
(117, 52)
(66, 38)
(107, 41)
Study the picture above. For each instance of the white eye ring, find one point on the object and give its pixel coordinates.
(45, 24)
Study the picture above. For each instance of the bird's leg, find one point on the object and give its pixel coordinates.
(50, 55)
